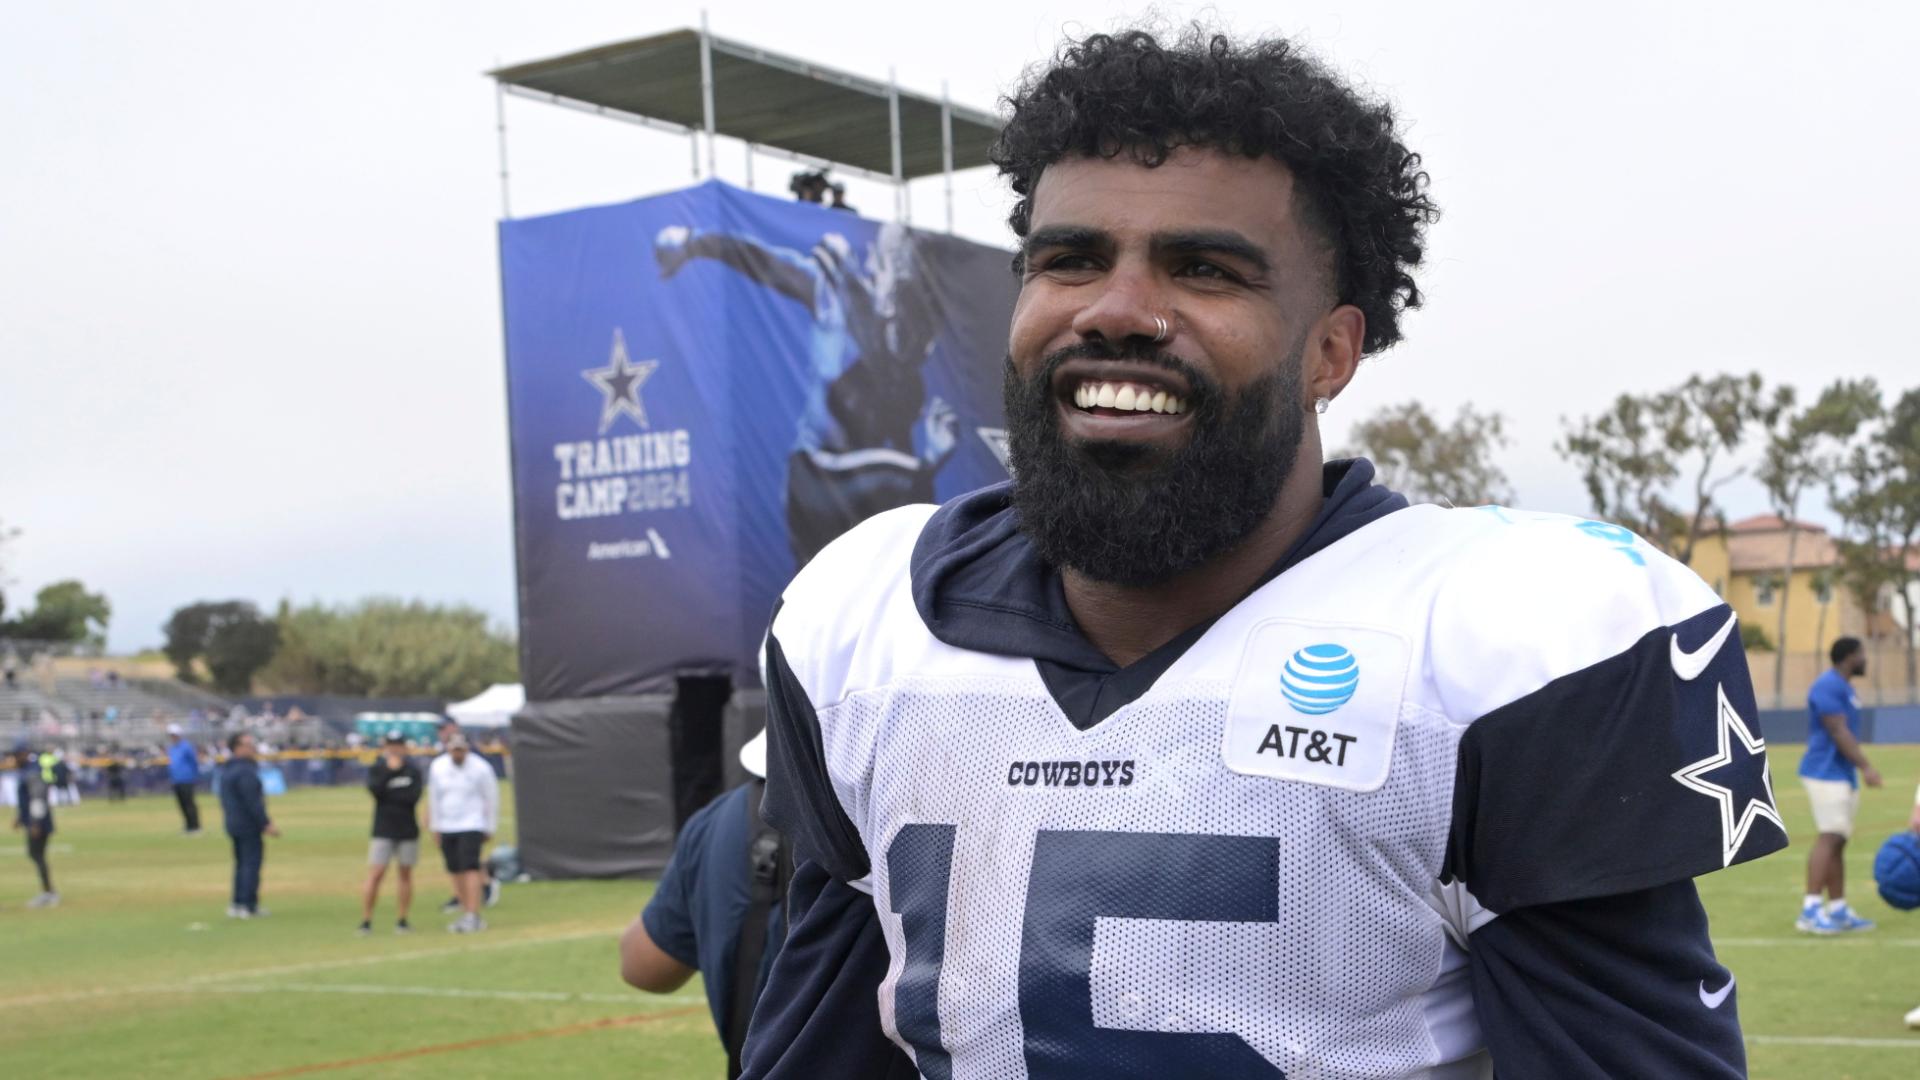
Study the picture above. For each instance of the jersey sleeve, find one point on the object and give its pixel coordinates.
(1614, 743)
(668, 917)
(800, 800)
(1616, 986)
(820, 1014)
(828, 642)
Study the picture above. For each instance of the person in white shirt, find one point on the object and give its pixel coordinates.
(463, 806)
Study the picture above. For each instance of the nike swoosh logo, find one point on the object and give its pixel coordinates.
(1689, 665)
(1713, 1000)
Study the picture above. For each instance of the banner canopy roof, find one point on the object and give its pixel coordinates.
(758, 96)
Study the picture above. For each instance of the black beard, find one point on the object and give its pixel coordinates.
(1132, 514)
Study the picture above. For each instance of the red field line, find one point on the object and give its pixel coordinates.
(475, 1044)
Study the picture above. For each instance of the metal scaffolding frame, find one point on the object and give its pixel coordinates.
(777, 105)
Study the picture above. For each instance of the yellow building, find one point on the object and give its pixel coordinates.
(1746, 564)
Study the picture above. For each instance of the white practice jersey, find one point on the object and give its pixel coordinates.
(1239, 873)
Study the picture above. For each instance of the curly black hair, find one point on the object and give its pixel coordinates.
(1358, 185)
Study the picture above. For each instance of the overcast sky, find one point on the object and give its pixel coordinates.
(249, 321)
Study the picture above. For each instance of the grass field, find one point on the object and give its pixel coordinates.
(138, 974)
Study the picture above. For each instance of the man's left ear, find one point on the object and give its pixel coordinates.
(1333, 351)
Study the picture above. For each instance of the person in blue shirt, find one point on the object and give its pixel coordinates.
(717, 909)
(244, 803)
(1827, 771)
(183, 772)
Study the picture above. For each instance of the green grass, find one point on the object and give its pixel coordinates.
(1797, 987)
(138, 973)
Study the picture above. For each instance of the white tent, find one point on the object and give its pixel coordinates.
(491, 708)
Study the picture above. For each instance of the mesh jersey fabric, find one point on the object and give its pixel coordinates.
(1242, 865)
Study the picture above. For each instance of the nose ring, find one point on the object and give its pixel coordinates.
(1160, 329)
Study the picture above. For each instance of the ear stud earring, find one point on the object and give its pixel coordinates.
(1320, 404)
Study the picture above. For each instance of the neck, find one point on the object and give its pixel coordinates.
(1127, 622)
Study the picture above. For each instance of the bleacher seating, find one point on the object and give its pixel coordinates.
(125, 699)
(20, 709)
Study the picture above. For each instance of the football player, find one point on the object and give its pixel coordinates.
(855, 453)
(1190, 754)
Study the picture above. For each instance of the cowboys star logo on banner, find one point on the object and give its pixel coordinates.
(620, 381)
(1740, 805)
(996, 440)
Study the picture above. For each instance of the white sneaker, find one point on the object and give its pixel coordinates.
(45, 899)
(235, 911)
(1913, 1018)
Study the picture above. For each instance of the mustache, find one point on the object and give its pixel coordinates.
(1202, 388)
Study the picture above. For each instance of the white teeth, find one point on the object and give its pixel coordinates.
(1127, 398)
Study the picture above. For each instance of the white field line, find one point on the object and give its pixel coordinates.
(1824, 941)
(376, 989)
(1835, 1040)
(199, 981)
(383, 958)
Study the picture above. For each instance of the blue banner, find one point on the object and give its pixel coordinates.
(705, 388)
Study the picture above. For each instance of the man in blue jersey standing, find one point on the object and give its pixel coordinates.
(183, 772)
(1827, 771)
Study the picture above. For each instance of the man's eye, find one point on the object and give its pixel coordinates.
(1068, 262)
(1201, 268)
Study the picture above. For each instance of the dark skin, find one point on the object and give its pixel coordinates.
(1212, 243)
(1826, 862)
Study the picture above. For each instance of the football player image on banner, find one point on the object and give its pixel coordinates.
(869, 438)
(1190, 753)
(706, 387)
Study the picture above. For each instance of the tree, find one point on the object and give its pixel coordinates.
(1801, 451)
(64, 611)
(1709, 419)
(230, 637)
(1419, 457)
(389, 648)
(1629, 455)
(1626, 463)
(1877, 495)
(1900, 440)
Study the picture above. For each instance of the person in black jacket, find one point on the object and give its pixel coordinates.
(244, 804)
(396, 784)
(35, 817)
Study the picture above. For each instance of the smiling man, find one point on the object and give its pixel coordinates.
(1190, 754)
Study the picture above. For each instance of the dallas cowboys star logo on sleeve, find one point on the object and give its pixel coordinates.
(1742, 800)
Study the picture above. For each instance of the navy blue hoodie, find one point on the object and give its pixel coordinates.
(242, 799)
